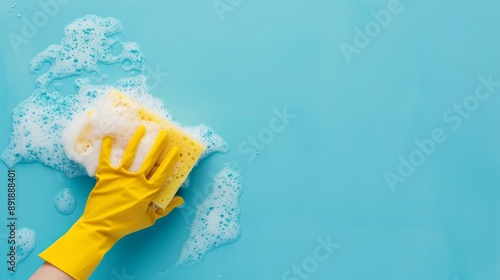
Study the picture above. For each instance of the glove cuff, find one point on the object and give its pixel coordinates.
(79, 251)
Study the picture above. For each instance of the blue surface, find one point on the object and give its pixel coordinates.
(322, 176)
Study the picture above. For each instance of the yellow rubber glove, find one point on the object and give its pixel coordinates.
(118, 205)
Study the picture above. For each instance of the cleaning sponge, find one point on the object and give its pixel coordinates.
(117, 115)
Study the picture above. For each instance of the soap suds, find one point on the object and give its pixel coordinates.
(39, 121)
(25, 243)
(86, 43)
(216, 221)
(65, 201)
(89, 44)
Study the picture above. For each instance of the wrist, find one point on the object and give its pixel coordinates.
(80, 250)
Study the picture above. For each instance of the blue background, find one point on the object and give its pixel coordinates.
(323, 175)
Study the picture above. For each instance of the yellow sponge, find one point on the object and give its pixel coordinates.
(190, 149)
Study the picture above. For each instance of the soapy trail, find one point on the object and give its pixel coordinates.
(65, 201)
(39, 121)
(25, 243)
(216, 221)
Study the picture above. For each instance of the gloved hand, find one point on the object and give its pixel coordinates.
(118, 205)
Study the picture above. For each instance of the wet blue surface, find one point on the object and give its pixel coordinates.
(386, 167)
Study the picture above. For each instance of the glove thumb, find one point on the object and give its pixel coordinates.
(160, 213)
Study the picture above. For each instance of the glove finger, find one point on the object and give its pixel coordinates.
(154, 153)
(166, 166)
(106, 147)
(157, 164)
(133, 144)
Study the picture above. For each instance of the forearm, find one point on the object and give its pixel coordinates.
(49, 272)
(80, 250)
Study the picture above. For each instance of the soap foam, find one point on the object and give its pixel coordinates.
(25, 243)
(101, 119)
(39, 121)
(86, 43)
(65, 201)
(216, 221)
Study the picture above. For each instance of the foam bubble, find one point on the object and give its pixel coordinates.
(25, 243)
(65, 201)
(39, 121)
(216, 221)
